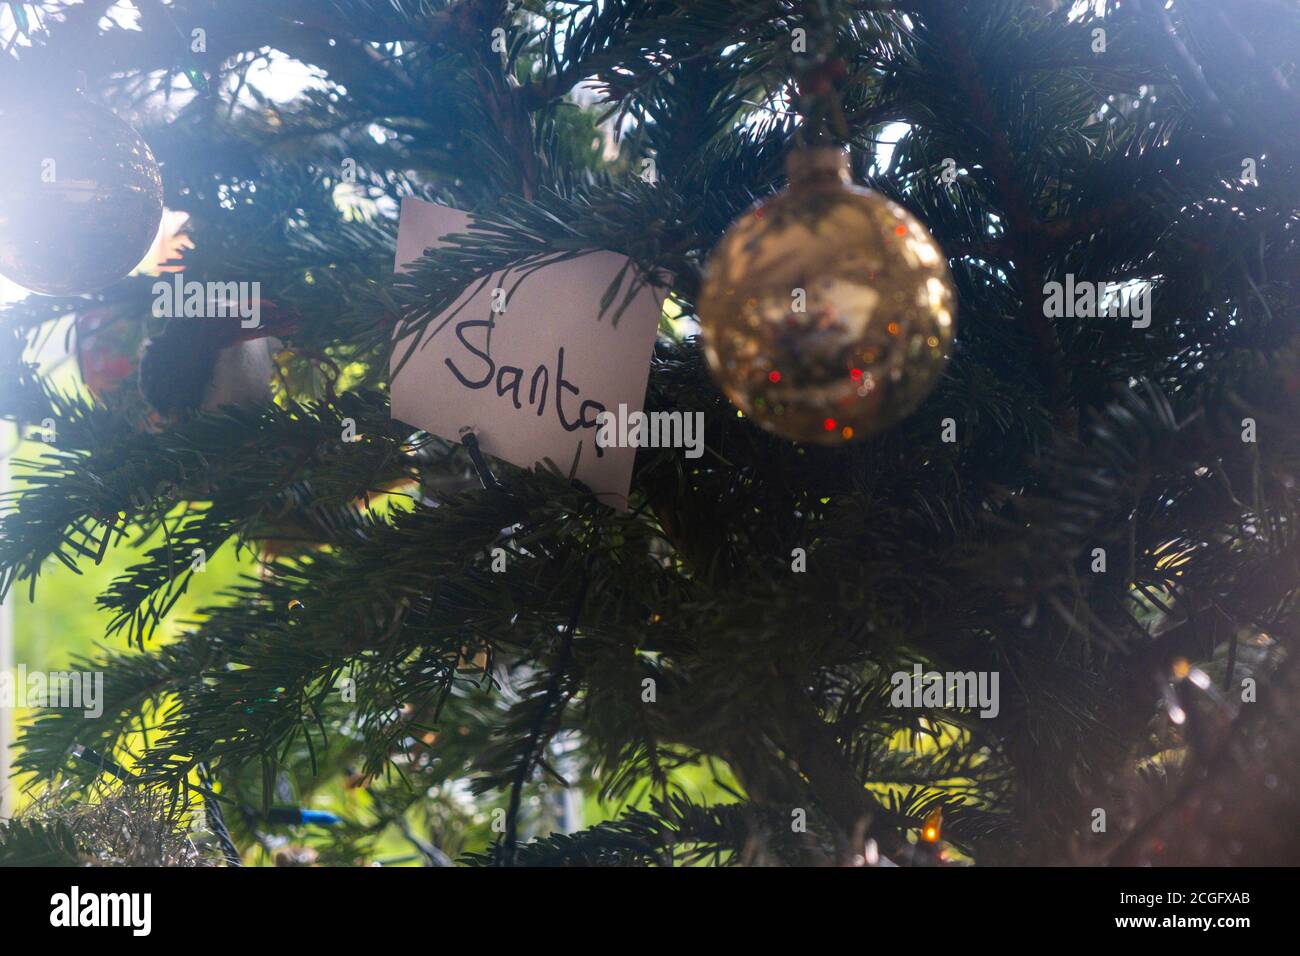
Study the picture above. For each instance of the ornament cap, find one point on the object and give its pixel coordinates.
(817, 164)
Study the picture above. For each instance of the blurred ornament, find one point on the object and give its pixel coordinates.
(175, 380)
(827, 310)
(242, 375)
(81, 197)
(204, 364)
(108, 343)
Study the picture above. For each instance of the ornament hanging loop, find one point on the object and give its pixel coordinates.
(818, 76)
(817, 99)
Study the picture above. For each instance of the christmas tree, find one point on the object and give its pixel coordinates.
(1009, 584)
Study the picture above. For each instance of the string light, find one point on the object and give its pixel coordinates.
(933, 826)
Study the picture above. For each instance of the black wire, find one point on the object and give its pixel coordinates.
(218, 820)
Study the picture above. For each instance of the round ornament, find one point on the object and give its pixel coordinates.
(827, 310)
(81, 196)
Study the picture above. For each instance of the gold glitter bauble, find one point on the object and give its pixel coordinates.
(80, 196)
(827, 310)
